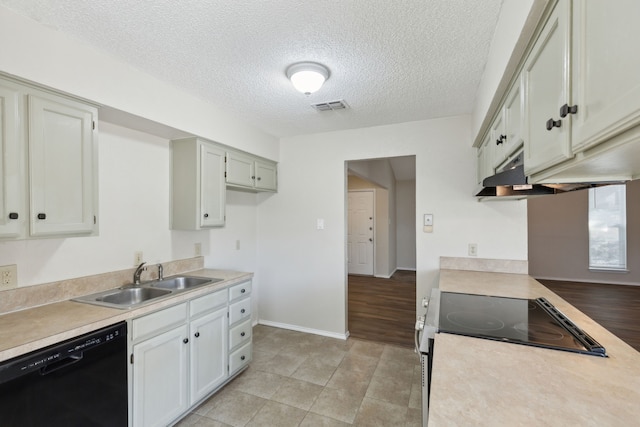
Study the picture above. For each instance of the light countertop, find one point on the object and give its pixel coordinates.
(35, 328)
(481, 382)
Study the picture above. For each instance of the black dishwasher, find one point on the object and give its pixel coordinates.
(78, 382)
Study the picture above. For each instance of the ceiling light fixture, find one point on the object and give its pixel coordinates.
(307, 77)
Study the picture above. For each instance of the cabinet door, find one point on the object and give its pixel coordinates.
(266, 176)
(12, 174)
(212, 186)
(497, 142)
(61, 166)
(513, 120)
(606, 70)
(208, 353)
(546, 89)
(160, 378)
(240, 169)
(484, 159)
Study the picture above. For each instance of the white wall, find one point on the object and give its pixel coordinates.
(406, 224)
(303, 270)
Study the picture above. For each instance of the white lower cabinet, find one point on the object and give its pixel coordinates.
(181, 354)
(160, 378)
(208, 354)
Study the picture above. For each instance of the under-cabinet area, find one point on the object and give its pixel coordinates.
(48, 163)
(180, 355)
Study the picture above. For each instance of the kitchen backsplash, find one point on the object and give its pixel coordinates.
(47, 293)
(485, 264)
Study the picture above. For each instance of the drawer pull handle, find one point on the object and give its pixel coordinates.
(13, 215)
(553, 124)
(242, 334)
(243, 291)
(42, 216)
(242, 311)
(565, 110)
(197, 334)
(242, 357)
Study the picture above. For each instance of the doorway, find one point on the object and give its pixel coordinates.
(381, 298)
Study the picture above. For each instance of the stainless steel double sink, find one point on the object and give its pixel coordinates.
(130, 296)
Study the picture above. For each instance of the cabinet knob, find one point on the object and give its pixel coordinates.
(186, 340)
(206, 215)
(370, 239)
(553, 124)
(13, 215)
(242, 291)
(242, 311)
(242, 357)
(259, 178)
(253, 177)
(242, 334)
(197, 334)
(566, 110)
(42, 216)
(501, 139)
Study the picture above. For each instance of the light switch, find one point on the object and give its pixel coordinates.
(428, 219)
(320, 224)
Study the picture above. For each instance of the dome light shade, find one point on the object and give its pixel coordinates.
(307, 77)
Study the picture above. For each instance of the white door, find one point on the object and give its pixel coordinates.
(212, 186)
(545, 89)
(360, 233)
(160, 378)
(61, 160)
(208, 353)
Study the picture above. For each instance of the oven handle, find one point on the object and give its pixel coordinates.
(419, 328)
(68, 361)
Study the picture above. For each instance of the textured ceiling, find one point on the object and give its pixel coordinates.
(391, 61)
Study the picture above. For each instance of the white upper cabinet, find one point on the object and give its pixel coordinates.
(49, 162)
(12, 189)
(606, 70)
(545, 85)
(247, 172)
(197, 184)
(61, 166)
(513, 117)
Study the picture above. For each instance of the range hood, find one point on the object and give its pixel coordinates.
(511, 183)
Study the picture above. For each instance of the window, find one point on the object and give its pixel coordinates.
(608, 228)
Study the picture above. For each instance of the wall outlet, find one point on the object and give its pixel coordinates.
(137, 258)
(197, 248)
(473, 249)
(8, 276)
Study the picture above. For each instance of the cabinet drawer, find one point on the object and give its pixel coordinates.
(239, 334)
(151, 324)
(239, 358)
(237, 291)
(239, 310)
(207, 302)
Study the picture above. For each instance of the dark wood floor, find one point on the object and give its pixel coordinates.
(383, 310)
(616, 307)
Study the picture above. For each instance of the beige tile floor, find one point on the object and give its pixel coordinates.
(298, 379)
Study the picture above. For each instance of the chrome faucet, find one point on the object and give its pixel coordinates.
(138, 273)
(160, 272)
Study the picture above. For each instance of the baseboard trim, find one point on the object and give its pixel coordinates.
(303, 329)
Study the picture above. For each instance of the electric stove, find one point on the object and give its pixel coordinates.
(534, 322)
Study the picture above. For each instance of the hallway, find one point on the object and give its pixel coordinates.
(383, 310)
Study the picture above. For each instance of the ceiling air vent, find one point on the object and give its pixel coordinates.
(330, 106)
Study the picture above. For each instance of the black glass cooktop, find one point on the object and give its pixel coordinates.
(533, 322)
